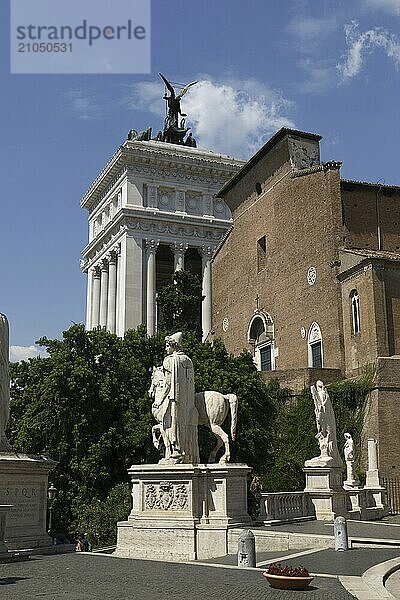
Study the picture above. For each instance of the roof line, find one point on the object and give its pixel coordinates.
(370, 184)
(263, 150)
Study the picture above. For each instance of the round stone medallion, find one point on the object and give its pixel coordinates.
(311, 275)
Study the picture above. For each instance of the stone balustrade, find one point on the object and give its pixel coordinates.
(285, 506)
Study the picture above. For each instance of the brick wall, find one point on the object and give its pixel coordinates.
(301, 219)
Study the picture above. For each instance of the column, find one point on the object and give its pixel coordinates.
(103, 293)
(179, 250)
(151, 246)
(112, 291)
(89, 299)
(372, 454)
(207, 253)
(95, 308)
(118, 300)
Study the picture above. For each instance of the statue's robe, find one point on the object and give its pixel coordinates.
(180, 418)
(4, 383)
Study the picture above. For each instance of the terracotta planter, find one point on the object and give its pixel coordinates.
(283, 582)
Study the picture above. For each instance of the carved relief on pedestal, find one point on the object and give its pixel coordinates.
(166, 496)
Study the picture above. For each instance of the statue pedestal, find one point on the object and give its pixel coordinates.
(183, 512)
(4, 510)
(23, 484)
(324, 486)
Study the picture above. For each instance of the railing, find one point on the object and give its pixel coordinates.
(285, 506)
(392, 485)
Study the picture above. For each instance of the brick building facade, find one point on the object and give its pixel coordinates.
(308, 278)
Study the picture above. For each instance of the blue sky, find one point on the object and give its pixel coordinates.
(329, 67)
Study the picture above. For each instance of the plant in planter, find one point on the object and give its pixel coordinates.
(287, 577)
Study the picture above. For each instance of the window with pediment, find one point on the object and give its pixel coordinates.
(261, 336)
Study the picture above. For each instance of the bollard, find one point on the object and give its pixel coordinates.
(340, 530)
(246, 549)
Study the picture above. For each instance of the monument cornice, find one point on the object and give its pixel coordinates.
(173, 158)
(168, 232)
(148, 217)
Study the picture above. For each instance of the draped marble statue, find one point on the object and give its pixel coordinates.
(179, 413)
(348, 450)
(4, 383)
(326, 429)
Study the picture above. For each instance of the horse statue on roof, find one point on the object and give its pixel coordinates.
(212, 408)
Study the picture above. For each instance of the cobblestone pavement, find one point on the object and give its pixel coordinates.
(90, 577)
(353, 562)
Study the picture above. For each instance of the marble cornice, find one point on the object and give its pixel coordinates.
(194, 233)
(174, 159)
(150, 213)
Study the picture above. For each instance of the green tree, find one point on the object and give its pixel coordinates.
(86, 406)
(179, 304)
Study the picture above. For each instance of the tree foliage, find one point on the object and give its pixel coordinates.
(293, 440)
(87, 407)
(179, 304)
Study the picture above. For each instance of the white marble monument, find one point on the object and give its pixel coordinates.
(152, 210)
(23, 478)
(182, 509)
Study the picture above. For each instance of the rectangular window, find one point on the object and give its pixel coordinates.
(266, 358)
(316, 353)
(262, 253)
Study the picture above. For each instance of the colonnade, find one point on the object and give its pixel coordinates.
(105, 286)
(103, 292)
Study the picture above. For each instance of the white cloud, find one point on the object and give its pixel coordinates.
(18, 353)
(360, 44)
(390, 6)
(145, 96)
(321, 76)
(233, 117)
(84, 105)
(311, 28)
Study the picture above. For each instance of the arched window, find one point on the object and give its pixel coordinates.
(261, 336)
(355, 311)
(315, 350)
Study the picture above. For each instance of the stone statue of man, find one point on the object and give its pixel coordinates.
(180, 416)
(348, 450)
(326, 429)
(4, 383)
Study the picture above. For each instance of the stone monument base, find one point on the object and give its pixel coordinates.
(183, 512)
(324, 487)
(23, 484)
(4, 510)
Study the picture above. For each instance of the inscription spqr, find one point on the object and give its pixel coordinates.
(25, 501)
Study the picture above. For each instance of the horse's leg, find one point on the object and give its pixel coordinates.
(156, 439)
(222, 438)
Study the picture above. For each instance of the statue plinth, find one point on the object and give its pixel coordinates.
(183, 512)
(24, 484)
(324, 487)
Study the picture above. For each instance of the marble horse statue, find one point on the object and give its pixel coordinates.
(212, 407)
